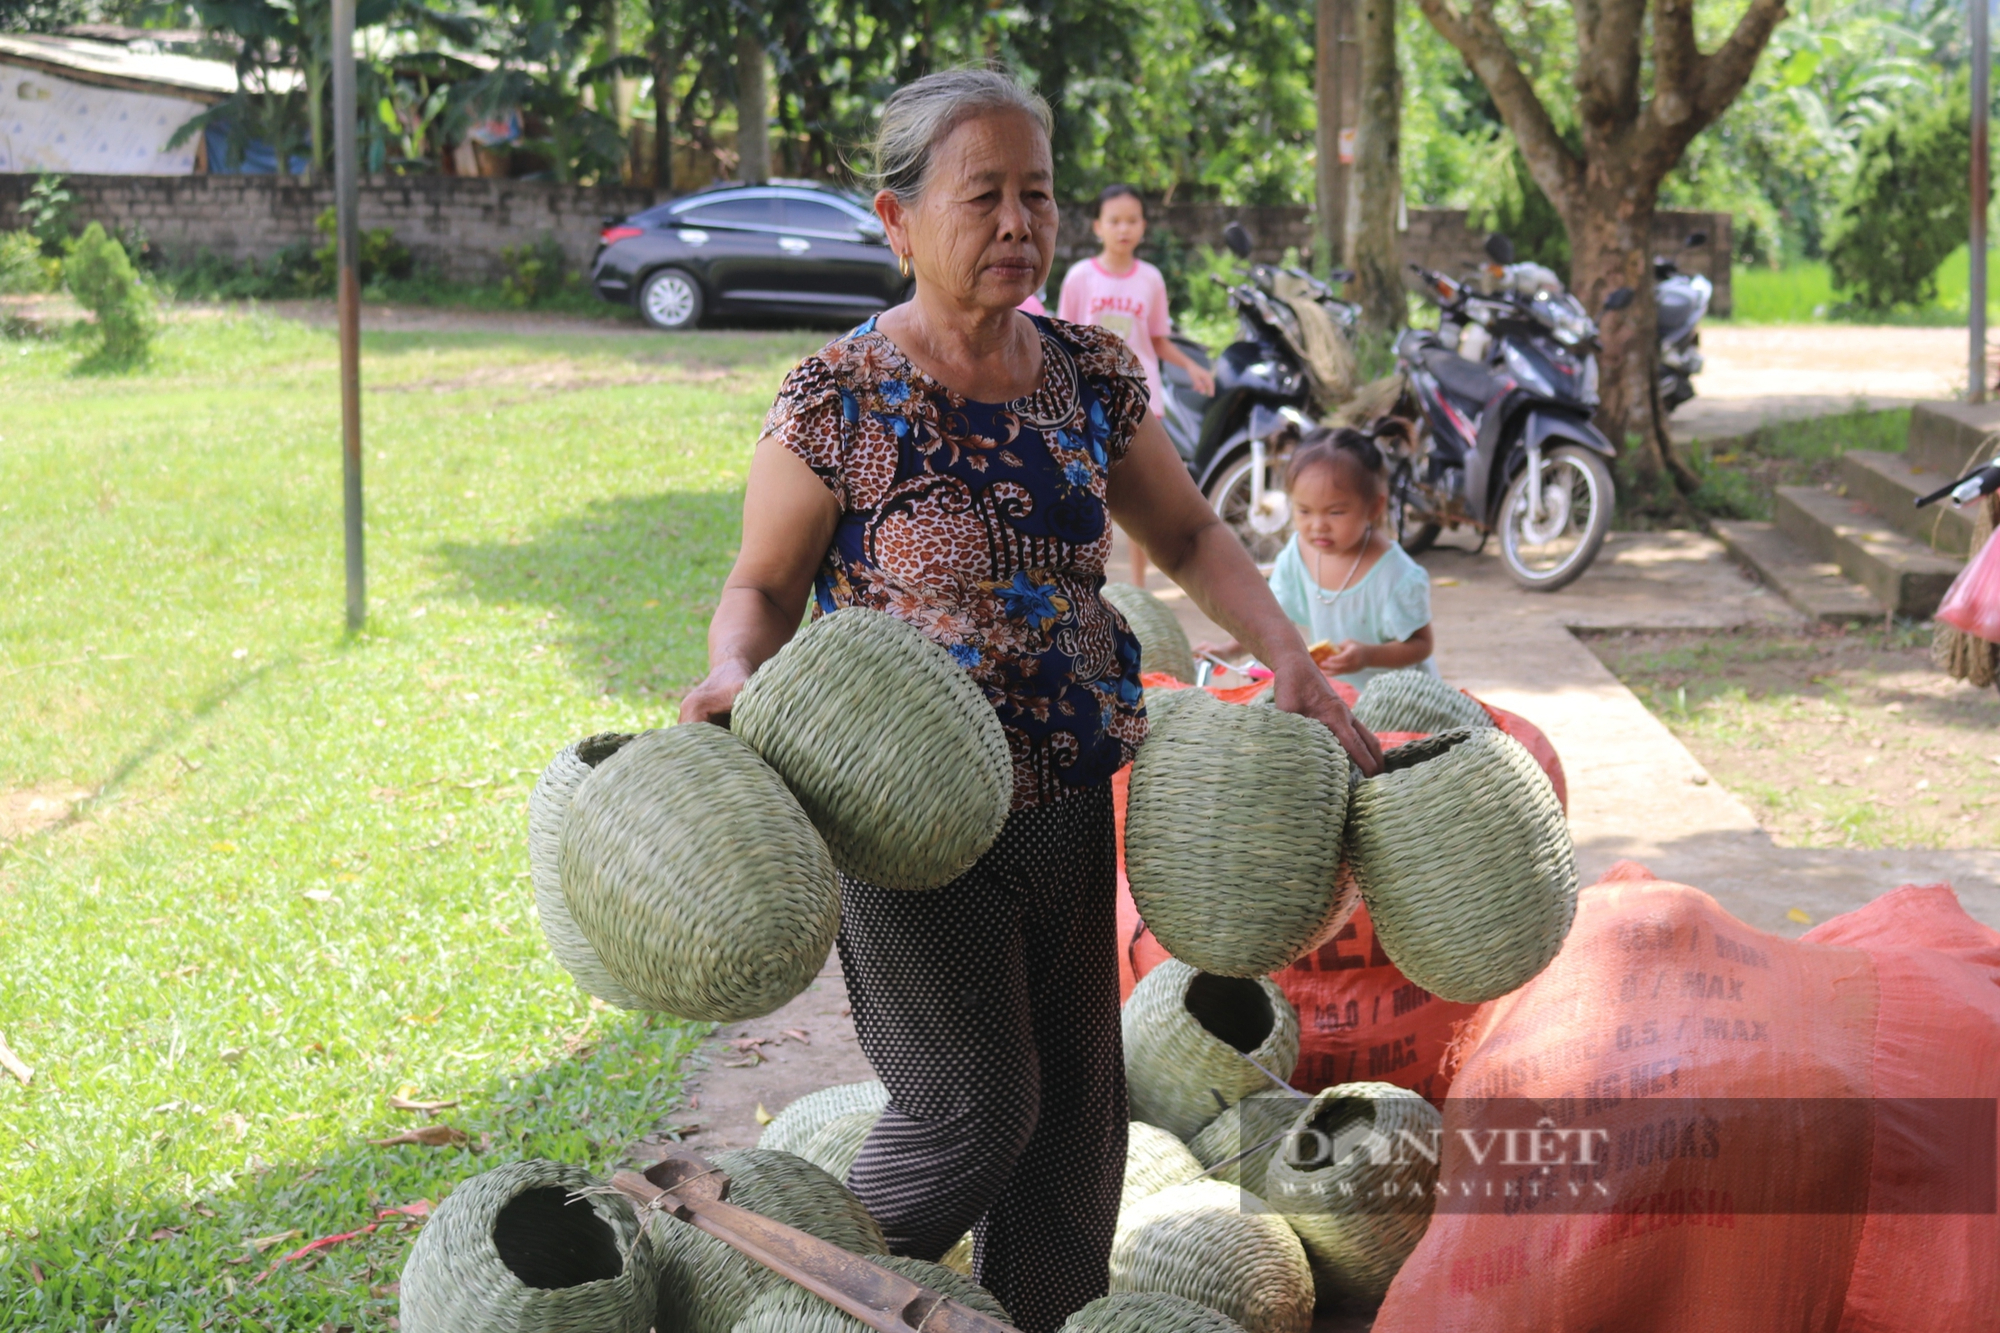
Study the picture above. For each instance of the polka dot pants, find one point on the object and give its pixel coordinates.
(989, 1008)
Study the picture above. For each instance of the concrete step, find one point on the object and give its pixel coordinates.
(1889, 485)
(1901, 575)
(1943, 436)
(1815, 587)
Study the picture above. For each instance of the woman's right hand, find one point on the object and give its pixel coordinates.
(715, 694)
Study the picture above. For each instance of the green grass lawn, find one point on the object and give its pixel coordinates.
(301, 885)
(1804, 294)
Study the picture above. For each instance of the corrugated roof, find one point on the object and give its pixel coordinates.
(116, 67)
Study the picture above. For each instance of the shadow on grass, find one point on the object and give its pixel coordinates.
(164, 1260)
(634, 577)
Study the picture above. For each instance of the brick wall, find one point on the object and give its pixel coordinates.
(458, 225)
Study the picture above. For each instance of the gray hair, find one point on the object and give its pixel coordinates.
(919, 115)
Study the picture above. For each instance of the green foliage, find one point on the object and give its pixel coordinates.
(534, 272)
(1907, 206)
(104, 282)
(381, 256)
(48, 212)
(21, 265)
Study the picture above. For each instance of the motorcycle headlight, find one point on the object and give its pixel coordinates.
(1526, 372)
(1568, 325)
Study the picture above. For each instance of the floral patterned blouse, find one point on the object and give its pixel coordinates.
(984, 526)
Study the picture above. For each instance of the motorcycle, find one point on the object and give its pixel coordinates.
(1292, 332)
(1502, 439)
(1683, 300)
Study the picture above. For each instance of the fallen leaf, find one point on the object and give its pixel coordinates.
(764, 1117)
(746, 1043)
(798, 1036)
(1799, 915)
(403, 1103)
(201, 1211)
(15, 1065)
(386, 1290)
(423, 1020)
(180, 972)
(318, 895)
(165, 1233)
(224, 845)
(263, 1243)
(236, 1125)
(420, 1210)
(35, 1272)
(166, 1108)
(1444, 583)
(429, 1136)
(229, 1055)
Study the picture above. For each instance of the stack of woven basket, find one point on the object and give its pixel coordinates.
(692, 870)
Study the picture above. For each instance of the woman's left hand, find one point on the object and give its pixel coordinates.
(1301, 689)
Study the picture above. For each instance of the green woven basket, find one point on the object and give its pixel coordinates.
(1465, 861)
(548, 806)
(1147, 1312)
(835, 1145)
(1233, 833)
(1187, 1034)
(697, 878)
(1217, 1246)
(889, 745)
(1246, 1138)
(790, 1309)
(794, 1126)
(1154, 1160)
(530, 1247)
(1163, 644)
(1411, 700)
(1355, 1180)
(705, 1286)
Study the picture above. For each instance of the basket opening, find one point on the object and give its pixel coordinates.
(594, 750)
(1233, 1009)
(1316, 1143)
(548, 1239)
(1411, 753)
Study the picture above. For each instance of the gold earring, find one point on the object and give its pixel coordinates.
(904, 260)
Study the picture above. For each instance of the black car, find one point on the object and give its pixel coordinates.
(799, 250)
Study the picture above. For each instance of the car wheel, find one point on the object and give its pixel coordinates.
(671, 300)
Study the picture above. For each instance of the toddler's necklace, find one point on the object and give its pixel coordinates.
(1329, 598)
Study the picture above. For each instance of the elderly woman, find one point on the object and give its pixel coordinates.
(953, 463)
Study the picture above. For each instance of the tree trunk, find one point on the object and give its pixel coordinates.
(1330, 32)
(665, 69)
(1377, 257)
(753, 138)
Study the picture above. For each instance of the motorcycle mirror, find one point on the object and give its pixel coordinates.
(1619, 298)
(1237, 239)
(1499, 249)
(1697, 239)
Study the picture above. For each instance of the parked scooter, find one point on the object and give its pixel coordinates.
(1504, 389)
(1266, 385)
(1967, 632)
(1683, 300)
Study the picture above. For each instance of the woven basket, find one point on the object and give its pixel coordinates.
(519, 1250)
(705, 1286)
(1233, 834)
(794, 1126)
(1466, 863)
(1163, 644)
(1356, 1191)
(1154, 1160)
(697, 877)
(1146, 1312)
(891, 748)
(1411, 700)
(790, 1309)
(1246, 1137)
(1220, 1247)
(1186, 1037)
(548, 805)
(835, 1145)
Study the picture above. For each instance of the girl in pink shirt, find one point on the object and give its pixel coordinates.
(1125, 294)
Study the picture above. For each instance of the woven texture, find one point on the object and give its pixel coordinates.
(1220, 1247)
(548, 806)
(892, 749)
(1178, 1071)
(1154, 1160)
(793, 1127)
(697, 877)
(1358, 1195)
(481, 1266)
(1246, 1137)
(1147, 1312)
(790, 1309)
(1233, 834)
(1416, 701)
(1466, 863)
(835, 1145)
(1163, 644)
(705, 1286)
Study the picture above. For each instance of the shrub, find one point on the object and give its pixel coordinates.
(534, 272)
(48, 213)
(1906, 208)
(102, 278)
(21, 267)
(381, 255)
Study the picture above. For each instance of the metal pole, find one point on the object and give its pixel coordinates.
(1981, 191)
(346, 200)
